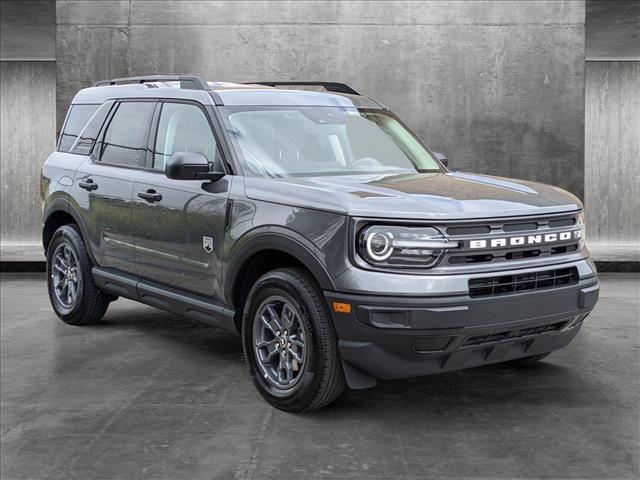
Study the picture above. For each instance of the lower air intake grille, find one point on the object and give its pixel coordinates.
(508, 284)
(511, 334)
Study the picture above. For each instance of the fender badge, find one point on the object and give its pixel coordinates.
(207, 244)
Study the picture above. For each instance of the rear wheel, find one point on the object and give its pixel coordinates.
(73, 294)
(289, 342)
(526, 362)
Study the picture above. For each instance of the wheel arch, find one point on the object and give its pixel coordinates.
(265, 251)
(60, 212)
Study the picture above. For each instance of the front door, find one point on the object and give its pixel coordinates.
(180, 224)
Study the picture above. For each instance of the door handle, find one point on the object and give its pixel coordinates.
(150, 195)
(88, 185)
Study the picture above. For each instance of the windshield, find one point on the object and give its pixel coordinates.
(298, 141)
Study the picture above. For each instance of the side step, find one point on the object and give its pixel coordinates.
(190, 305)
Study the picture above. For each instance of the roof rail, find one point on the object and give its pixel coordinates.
(187, 82)
(328, 86)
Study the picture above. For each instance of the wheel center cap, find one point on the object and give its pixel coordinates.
(283, 342)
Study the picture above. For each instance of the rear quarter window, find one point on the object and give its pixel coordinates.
(77, 119)
(87, 138)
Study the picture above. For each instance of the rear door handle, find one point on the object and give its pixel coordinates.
(89, 185)
(150, 195)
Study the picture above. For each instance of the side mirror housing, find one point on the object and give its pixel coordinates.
(442, 158)
(190, 166)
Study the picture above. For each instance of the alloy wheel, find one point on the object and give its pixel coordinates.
(65, 275)
(279, 342)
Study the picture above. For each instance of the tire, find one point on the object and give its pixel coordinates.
(89, 304)
(526, 362)
(313, 377)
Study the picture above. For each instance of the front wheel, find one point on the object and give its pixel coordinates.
(289, 342)
(73, 294)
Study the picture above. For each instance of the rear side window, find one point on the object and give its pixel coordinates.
(125, 141)
(87, 138)
(78, 117)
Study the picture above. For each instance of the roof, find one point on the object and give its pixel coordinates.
(223, 93)
(235, 94)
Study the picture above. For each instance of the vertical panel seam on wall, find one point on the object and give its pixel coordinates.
(129, 39)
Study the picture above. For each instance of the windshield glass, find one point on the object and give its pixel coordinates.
(298, 141)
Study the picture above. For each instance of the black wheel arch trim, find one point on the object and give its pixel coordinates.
(62, 204)
(275, 238)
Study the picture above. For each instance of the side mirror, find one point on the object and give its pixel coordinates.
(190, 166)
(442, 158)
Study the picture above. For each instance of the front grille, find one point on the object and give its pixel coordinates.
(499, 228)
(472, 230)
(512, 254)
(522, 282)
(511, 334)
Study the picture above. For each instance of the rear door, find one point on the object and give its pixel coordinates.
(103, 185)
(180, 224)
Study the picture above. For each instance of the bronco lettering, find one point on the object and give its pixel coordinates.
(525, 240)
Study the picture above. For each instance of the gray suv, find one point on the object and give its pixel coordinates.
(308, 219)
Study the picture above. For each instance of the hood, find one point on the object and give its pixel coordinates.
(440, 196)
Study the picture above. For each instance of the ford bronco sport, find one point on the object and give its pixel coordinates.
(311, 221)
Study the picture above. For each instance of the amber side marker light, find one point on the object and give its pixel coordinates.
(340, 307)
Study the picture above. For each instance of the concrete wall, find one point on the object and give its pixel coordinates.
(27, 137)
(27, 116)
(612, 30)
(498, 86)
(28, 30)
(612, 162)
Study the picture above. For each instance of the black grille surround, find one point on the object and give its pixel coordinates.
(522, 282)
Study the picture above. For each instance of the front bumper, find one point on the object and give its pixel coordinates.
(388, 337)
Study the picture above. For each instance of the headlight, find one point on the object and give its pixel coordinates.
(583, 230)
(402, 247)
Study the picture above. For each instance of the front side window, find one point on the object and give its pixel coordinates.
(183, 128)
(125, 141)
(299, 141)
(77, 119)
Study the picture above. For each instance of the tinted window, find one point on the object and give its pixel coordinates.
(78, 117)
(125, 142)
(87, 138)
(183, 128)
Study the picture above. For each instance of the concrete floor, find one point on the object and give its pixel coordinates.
(148, 395)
